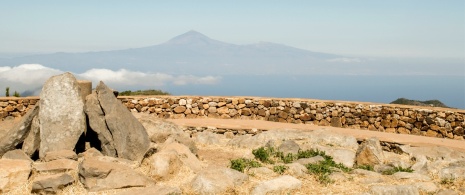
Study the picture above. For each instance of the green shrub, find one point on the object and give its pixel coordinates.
(241, 164)
(7, 92)
(16, 94)
(263, 154)
(280, 169)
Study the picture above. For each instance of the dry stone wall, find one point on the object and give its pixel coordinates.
(432, 122)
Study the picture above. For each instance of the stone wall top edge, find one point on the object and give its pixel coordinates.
(302, 99)
(20, 98)
(271, 98)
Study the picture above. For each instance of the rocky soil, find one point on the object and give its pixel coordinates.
(181, 164)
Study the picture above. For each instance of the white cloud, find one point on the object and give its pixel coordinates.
(345, 60)
(30, 77)
(30, 74)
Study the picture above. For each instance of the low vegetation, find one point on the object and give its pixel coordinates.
(397, 169)
(270, 155)
(405, 101)
(242, 164)
(144, 92)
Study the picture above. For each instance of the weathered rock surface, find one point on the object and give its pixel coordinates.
(16, 154)
(370, 153)
(164, 164)
(216, 180)
(394, 189)
(104, 173)
(55, 166)
(312, 160)
(207, 138)
(130, 139)
(278, 185)
(18, 133)
(13, 173)
(184, 154)
(411, 176)
(50, 184)
(61, 115)
(160, 130)
(455, 170)
(289, 147)
(31, 144)
(98, 125)
(60, 154)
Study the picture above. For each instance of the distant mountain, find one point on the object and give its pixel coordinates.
(191, 52)
(432, 103)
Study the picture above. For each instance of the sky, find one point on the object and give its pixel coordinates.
(368, 28)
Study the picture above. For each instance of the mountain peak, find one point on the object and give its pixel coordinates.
(190, 37)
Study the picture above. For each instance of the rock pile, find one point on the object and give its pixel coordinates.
(110, 150)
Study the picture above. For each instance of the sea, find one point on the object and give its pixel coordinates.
(378, 89)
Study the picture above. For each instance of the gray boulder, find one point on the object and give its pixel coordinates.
(50, 184)
(61, 115)
(278, 185)
(18, 133)
(129, 136)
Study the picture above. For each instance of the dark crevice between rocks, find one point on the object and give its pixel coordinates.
(35, 155)
(81, 144)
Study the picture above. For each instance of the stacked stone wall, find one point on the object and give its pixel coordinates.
(432, 122)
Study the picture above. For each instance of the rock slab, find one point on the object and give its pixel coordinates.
(19, 132)
(122, 131)
(106, 173)
(61, 115)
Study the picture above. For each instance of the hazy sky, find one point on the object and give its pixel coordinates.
(394, 28)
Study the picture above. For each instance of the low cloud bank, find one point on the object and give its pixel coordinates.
(29, 78)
